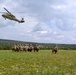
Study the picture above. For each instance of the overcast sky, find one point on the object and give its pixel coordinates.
(46, 21)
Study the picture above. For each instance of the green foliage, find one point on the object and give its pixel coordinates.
(7, 45)
(41, 63)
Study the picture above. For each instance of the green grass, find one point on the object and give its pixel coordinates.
(41, 63)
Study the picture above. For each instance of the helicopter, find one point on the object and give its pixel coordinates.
(10, 16)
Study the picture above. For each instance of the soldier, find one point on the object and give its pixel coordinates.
(27, 46)
(21, 47)
(30, 48)
(55, 49)
(24, 48)
(15, 48)
(36, 48)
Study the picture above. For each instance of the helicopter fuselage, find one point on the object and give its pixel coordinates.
(9, 16)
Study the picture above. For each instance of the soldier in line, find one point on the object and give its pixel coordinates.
(15, 48)
(36, 48)
(21, 47)
(30, 48)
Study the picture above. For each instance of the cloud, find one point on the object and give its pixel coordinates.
(45, 20)
(58, 7)
(37, 28)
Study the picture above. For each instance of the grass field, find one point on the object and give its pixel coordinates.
(41, 63)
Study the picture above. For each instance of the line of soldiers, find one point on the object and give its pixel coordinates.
(25, 48)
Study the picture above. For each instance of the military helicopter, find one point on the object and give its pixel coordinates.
(10, 16)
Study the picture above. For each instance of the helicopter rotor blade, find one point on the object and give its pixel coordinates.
(2, 12)
(18, 12)
(7, 10)
(14, 12)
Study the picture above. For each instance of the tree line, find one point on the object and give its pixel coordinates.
(42, 47)
(7, 45)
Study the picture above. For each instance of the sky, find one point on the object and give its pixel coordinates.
(46, 21)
